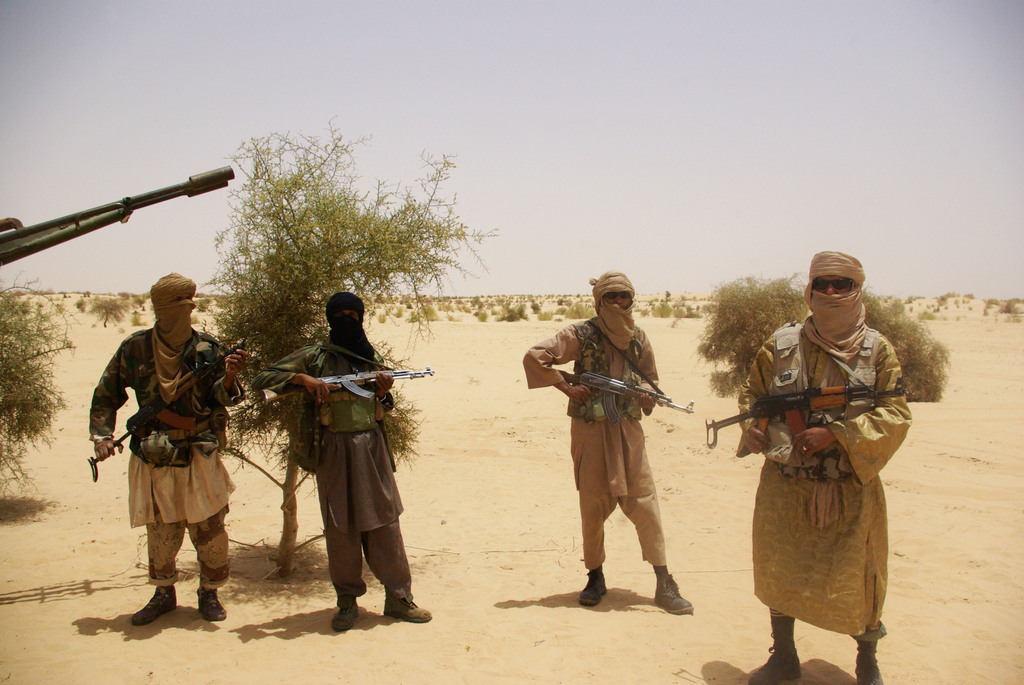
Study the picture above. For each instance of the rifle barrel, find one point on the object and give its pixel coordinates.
(18, 241)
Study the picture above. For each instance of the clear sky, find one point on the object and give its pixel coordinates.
(687, 143)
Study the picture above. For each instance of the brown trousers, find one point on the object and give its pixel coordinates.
(210, 540)
(384, 550)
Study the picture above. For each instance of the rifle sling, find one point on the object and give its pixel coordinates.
(628, 362)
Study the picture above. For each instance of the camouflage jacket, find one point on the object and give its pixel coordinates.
(132, 366)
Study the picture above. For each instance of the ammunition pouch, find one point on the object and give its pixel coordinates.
(158, 449)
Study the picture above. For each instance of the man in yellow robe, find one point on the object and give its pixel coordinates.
(607, 442)
(820, 536)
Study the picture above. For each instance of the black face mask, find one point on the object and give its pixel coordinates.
(348, 333)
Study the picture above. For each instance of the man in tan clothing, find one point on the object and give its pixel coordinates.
(607, 442)
(176, 481)
(820, 536)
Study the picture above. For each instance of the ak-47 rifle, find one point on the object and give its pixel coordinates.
(596, 381)
(156, 409)
(792, 406)
(352, 382)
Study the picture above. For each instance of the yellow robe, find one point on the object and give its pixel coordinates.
(833, 578)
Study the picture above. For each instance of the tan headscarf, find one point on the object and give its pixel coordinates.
(614, 322)
(836, 323)
(172, 304)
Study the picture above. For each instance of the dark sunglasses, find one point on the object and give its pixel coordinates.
(839, 285)
(624, 295)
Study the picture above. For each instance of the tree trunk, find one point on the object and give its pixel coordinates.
(289, 523)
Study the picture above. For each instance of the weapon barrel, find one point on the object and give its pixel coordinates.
(18, 241)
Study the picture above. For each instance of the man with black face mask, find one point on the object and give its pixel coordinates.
(343, 444)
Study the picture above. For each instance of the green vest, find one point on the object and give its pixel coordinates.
(345, 413)
(594, 358)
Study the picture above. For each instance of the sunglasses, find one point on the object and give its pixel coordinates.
(839, 285)
(624, 295)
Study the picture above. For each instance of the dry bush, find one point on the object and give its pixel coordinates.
(924, 360)
(741, 316)
(745, 312)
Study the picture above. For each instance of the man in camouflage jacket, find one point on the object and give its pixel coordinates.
(176, 479)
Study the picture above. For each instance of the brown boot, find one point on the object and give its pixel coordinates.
(867, 664)
(347, 614)
(209, 606)
(783, 664)
(404, 609)
(163, 600)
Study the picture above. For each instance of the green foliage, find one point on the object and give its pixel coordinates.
(661, 310)
(545, 316)
(1010, 306)
(301, 229)
(742, 315)
(109, 309)
(481, 315)
(924, 360)
(136, 319)
(32, 334)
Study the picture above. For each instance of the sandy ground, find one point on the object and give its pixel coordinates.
(492, 530)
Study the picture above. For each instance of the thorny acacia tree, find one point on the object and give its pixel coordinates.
(33, 332)
(301, 230)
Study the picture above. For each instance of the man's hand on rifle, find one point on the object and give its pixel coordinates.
(384, 382)
(647, 403)
(233, 365)
(755, 439)
(577, 393)
(104, 447)
(314, 386)
(813, 440)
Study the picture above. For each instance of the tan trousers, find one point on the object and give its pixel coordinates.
(210, 540)
(643, 511)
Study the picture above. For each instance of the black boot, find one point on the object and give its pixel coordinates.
(591, 594)
(667, 596)
(163, 600)
(867, 664)
(783, 664)
(209, 606)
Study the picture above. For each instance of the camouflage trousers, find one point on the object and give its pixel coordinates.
(210, 540)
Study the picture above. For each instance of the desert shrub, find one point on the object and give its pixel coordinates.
(481, 315)
(512, 312)
(109, 309)
(1010, 306)
(545, 316)
(139, 301)
(580, 310)
(661, 310)
(561, 310)
(80, 304)
(924, 360)
(136, 319)
(203, 304)
(32, 335)
(535, 307)
(398, 312)
(927, 316)
(741, 316)
(425, 313)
